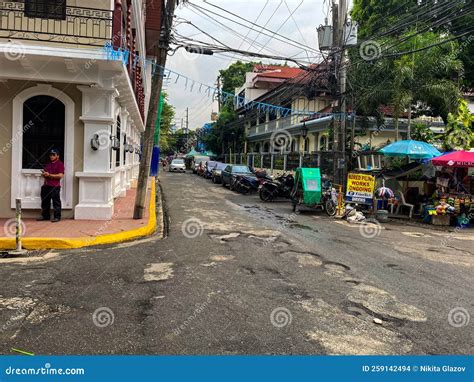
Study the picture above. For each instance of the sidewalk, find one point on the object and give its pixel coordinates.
(69, 233)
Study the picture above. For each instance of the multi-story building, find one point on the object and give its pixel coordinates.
(60, 88)
(303, 137)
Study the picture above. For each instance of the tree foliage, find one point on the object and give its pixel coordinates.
(409, 71)
(167, 140)
(459, 130)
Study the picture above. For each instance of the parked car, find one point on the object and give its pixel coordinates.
(232, 170)
(196, 160)
(177, 165)
(216, 172)
(208, 168)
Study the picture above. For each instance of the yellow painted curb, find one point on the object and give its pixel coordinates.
(78, 242)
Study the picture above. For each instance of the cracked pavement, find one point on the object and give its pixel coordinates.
(238, 276)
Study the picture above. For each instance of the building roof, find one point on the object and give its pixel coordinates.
(276, 71)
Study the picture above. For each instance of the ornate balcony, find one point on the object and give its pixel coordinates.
(78, 25)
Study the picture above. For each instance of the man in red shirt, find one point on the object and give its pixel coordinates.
(51, 190)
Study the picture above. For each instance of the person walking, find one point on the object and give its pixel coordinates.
(51, 190)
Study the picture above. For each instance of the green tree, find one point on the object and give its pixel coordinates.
(225, 134)
(459, 130)
(234, 75)
(426, 78)
(166, 121)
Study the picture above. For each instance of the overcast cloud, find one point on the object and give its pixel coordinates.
(308, 16)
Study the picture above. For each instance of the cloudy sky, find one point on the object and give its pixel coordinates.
(295, 19)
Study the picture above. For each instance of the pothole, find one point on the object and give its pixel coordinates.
(383, 304)
(221, 257)
(303, 258)
(158, 272)
(224, 238)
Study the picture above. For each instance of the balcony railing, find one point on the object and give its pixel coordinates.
(270, 126)
(80, 26)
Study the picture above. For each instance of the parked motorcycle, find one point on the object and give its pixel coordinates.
(280, 187)
(244, 183)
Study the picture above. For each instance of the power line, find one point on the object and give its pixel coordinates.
(284, 22)
(282, 38)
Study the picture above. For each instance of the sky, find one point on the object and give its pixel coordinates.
(275, 14)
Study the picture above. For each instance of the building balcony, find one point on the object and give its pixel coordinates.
(75, 25)
(73, 29)
(270, 126)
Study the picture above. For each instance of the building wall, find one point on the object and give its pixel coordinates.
(8, 91)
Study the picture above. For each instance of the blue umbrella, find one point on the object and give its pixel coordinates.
(410, 149)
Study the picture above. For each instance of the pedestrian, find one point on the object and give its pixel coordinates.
(51, 190)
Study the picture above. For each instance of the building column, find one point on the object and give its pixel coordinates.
(95, 180)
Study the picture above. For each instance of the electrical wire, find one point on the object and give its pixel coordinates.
(282, 38)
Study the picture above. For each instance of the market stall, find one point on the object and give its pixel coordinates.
(453, 200)
(404, 198)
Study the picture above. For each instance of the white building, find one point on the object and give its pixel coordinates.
(59, 88)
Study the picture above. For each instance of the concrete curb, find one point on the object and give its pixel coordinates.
(34, 243)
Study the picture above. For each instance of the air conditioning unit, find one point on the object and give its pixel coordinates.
(325, 37)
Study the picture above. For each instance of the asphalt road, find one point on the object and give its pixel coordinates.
(237, 276)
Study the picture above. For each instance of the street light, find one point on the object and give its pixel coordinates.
(304, 134)
(304, 131)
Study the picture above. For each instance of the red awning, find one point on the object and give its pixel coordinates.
(455, 159)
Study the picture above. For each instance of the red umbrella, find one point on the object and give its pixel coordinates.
(455, 159)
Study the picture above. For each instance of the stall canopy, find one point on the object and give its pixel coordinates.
(411, 149)
(455, 159)
(192, 153)
(209, 154)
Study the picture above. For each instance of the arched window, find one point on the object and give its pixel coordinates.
(257, 148)
(306, 145)
(43, 129)
(294, 146)
(266, 147)
(322, 143)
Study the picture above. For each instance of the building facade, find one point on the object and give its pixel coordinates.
(61, 88)
(304, 136)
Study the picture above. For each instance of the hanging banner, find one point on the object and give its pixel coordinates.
(360, 188)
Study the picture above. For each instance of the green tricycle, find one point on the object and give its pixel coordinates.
(308, 191)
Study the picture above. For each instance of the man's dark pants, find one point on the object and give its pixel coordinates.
(49, 193)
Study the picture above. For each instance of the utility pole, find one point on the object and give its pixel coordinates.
(335, 49)
(156, 86)
(339, 14)
(218, 94)
(342, 89)
(187, 124)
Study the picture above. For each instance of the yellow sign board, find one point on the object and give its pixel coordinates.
(360, 188)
